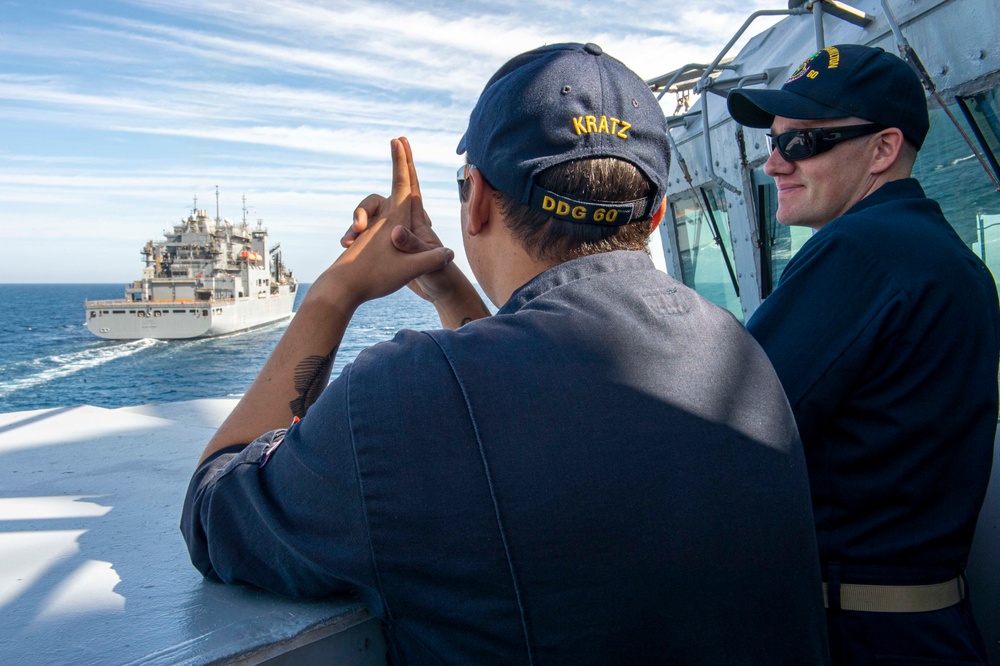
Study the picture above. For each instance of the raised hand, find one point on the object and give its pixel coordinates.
(297, 371)
(376, 266)
(454, 297)
(370, 207)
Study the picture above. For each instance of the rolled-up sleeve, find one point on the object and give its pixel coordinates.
(285, 512)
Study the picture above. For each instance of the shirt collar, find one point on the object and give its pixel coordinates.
(907, 188)
(576, 269)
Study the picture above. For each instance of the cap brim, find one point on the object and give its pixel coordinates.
(461, 145)
(757, 108)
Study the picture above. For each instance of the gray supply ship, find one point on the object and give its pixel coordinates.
(207, 277)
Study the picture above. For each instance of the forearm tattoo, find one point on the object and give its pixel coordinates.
(311, 376)
(486, 312)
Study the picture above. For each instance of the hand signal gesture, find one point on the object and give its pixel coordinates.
(390, 242)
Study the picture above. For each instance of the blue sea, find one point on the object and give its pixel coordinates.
(48, 358)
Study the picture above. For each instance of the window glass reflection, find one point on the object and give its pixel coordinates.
(983, 111)
(778, 241)
(705, 246)
(951, 174)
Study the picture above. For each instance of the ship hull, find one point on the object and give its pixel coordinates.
(128, 320)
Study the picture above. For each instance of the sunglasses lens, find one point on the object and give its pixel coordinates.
(796, 145)
(462, 176)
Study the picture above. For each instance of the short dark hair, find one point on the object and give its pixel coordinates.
(606, 179)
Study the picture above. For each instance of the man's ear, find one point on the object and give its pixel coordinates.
(658, 215)
(480, 204)
(887, 147)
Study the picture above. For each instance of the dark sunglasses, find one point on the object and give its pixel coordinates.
(463, 175)
(804, 143)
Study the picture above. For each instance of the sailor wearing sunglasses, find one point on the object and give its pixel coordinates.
(884, 330)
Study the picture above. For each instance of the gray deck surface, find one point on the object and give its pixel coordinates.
(93, 569)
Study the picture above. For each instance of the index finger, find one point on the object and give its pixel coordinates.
(400, 174)
(414, 182)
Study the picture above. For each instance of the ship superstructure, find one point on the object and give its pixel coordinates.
(209, 276)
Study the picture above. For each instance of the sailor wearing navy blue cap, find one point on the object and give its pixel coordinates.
(606, 471)
(885, 331)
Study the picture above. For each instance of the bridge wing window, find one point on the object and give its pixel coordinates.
(951, 174)
(778, 242)
(705, 247)
(982, 110)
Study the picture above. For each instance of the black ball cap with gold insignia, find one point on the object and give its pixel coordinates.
(839, 82)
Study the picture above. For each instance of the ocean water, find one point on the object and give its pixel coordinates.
(48, 358)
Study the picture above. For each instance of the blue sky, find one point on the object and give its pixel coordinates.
(114, 115)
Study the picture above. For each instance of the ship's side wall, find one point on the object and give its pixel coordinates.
(250, 312)
(122, 321)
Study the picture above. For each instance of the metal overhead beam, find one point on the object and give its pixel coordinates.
(700, 77)
(684, 78)
(837, 9)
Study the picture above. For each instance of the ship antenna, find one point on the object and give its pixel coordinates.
(217, 218)
(244, 210)
(194, 211)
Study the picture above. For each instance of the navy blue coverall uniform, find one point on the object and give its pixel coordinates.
(885, 331)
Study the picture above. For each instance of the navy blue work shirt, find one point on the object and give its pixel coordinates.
(606, 471)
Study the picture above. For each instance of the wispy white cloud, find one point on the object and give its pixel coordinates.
(115, 115)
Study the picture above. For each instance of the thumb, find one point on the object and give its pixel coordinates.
(421, 263)
(406, 241)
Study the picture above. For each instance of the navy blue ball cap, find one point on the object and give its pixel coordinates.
(838, 82)
(564, 102)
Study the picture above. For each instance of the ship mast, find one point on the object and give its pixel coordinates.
(217, 218)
